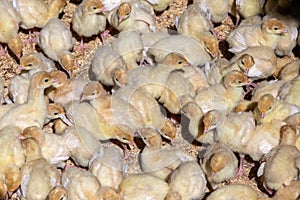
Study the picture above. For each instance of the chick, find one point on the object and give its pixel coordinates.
(53, 147)
(268, 109)
(12, 158)
(176, 88)
(107, 165)
(265, 34)
(264, 61)
(57, 193)
(224, 96)
(193, 21)
(173, 43)
(82, 144)
(290, 71)
(104, 64)
(282, 159)
(267, 87)
(166, 160)
(89, 19)
(143, 186)
(80, 184)
(188, 180)
(56, 41)
(65, 89)
(133, 15)
(290, 192)
(84, 115)
(9, 33)
(34, 111)
(219, 164)
(130, 46)
(149, 109)
(37, 13)
(289, 92)
(249, 9)
(235, 191)
(55, 111)
(29, 65)
(38, 176)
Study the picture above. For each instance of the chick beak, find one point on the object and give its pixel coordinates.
(285, 31)
(120, 19)
(213, 173)
(262, 115)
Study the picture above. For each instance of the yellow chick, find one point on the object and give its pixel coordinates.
(188, 180)
(265, 34)
(9, 33)
(89, 19)
(153, 79)
(149, 109)
(219, 164)
(37, 13)
(264, 61)
(290, 192)
(130, 46)
(12, 158)
(268, 109)
(56, 41)
(65, 90)
(104, 65)
(156, 160)
(54, 148)
(82, 114)
(55, 111)
(224, 96)
(58, 193)
(281, 166)
(81, 143)
(159, 5)
(235, 191)
(38, 176)
(248, 9)
(34, 111)
(289, 92)
(80, 184)
(107, 165)
(290, 71)
(174, 92)
(216, 10)
(143, 186)
(173, 43)
(192, 21)
(29, 65)
(193, 127)
(267, 87)
(133, 15)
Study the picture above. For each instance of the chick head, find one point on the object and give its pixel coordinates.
(3, 189)
(60, 76)
(93, 6)
(235, 78)
(211, 45)
(124, 134)
(175, 60)
(32, 132)
(149, 136)
(92, 90)
(123, 11)
(120, 76)
(67, 61)
(29, 62)
(55, 110)
(288, 135)
(218, 161)
(32, 148)
(168, 131)
(274, 26)
(211, 119)
(16, 45)
(43, 79)
(265, 104)
(58, 193)
(245, 62)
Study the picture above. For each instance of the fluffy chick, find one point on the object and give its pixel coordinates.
(56, 41)
(38, 176)
(265, 34)
(219, 164)
(34, 111)
(10, 27)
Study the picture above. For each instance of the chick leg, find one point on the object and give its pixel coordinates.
(241, 170)
(3, 51)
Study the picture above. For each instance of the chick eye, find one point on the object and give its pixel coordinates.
(29, 65)
(239, 81)
(179, 62)
(270, 108)
(243, 62)
(62, 198)
(46, 80)
(55, 113)
(275, 28)
(94, 8)
(93, 93)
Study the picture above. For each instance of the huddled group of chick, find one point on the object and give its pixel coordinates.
(154, 86)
